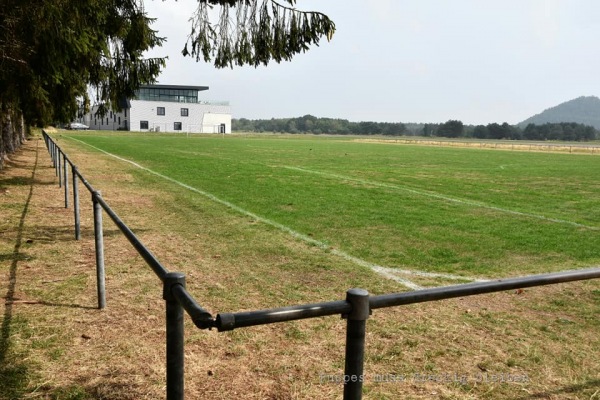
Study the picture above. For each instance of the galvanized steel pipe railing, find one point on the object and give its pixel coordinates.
(177, 298)
(230, 321)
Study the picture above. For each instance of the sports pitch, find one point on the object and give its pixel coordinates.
(268, 221)
(421, 215)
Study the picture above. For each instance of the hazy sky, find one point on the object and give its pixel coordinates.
(479, 61)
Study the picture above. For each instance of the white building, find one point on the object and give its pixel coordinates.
(165, 108)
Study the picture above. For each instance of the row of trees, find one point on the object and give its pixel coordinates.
(451, 129)
(312, 124)
(57, 56)
(560, 131)
(568, 131)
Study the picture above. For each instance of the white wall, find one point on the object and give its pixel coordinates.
(202, 118)
(213, 121)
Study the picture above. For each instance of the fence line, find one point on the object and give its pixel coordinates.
(356, 308)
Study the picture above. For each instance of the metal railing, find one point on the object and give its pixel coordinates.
(356, 308)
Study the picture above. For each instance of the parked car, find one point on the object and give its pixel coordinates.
(77, 126)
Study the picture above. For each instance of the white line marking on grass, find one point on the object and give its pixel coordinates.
(441, 197)
(434, 275)
(374, 267)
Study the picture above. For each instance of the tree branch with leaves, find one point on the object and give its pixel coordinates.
(253, 32)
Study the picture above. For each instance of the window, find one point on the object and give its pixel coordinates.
(177, 126)
(160, 111)
(143, 124)
(185, 112)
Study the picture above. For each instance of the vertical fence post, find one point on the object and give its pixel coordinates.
(355, 343)
(175, 337)
(99, 241)
(66, 179)
(53, 154)
(76, 203)
(59, 167)
(56, 154)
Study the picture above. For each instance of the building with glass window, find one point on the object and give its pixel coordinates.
(165, 108)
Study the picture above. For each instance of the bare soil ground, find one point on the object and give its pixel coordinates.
(541, 343)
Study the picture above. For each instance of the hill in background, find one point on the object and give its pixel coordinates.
(582, 110)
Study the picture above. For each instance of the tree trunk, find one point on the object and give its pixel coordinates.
(7, 132)
(18, 129)
(12, 132)
(2, 151)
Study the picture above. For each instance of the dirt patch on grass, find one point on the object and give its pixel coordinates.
(539, 343)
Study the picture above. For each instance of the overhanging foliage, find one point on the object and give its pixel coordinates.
(53, 52)
(253, 32)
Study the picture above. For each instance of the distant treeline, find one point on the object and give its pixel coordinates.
(570, 131)
(311, 124)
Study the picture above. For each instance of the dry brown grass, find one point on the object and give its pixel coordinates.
(55, 345)
(555, 147)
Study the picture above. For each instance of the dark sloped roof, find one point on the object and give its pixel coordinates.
(199, 88)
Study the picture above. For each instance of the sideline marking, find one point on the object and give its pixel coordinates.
(440, 197)
(432, 274)
(389, 273)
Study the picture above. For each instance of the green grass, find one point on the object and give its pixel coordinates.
(464, 211)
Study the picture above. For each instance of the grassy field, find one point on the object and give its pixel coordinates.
(280, 220)
(462, 211)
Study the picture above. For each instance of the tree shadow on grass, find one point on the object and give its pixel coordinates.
(590, 387)
(86, 391)
(14, 377)
(53, 304)
(13, 372)
(20, 181)
(51, 234)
